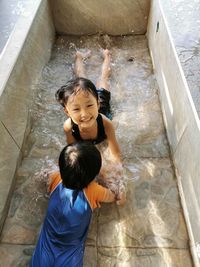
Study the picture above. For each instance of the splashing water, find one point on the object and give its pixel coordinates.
(48, 168)
(112, 177)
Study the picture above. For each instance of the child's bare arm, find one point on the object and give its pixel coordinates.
(112, 141)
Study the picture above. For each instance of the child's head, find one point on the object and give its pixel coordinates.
(73, 87)
(79, 98)
(79, 164)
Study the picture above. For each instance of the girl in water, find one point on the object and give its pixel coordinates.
(88, 111)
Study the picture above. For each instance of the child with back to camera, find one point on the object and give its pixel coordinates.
(74, 194)
(88, 109)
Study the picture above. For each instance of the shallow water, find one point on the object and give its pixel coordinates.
(150, 229)
(133, 89)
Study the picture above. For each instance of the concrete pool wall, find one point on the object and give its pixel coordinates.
(92, 17)
(27, 52)
(180, 117)
(21, 61)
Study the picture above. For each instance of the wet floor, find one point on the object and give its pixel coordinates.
(149, 231)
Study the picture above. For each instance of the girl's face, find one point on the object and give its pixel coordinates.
(82, 108)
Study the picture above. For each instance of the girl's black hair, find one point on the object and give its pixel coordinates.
(79, 164)
(72, 87)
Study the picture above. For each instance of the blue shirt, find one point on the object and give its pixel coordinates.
(65, 228)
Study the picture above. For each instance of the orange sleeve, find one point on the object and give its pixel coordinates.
(54, 180)
(95, 193)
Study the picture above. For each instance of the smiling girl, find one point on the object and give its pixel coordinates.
(88, 107)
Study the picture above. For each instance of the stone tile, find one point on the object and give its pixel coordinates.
(27, 210)
(15, 256)
(15, 233)
(126, 257)
(152, 216)
(90, 256)
(92, 234)
(141, 133)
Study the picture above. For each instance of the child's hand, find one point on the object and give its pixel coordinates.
(121, 198)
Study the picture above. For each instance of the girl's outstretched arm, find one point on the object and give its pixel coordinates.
(112, 141)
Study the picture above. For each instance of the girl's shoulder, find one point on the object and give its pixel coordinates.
(67, 125)
(105, 120)
(107, 123)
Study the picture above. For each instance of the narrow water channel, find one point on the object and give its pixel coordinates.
(149, 230)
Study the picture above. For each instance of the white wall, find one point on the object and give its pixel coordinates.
(181, 120)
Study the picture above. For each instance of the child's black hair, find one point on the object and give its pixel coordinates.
(79, 164)
(74, 86)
